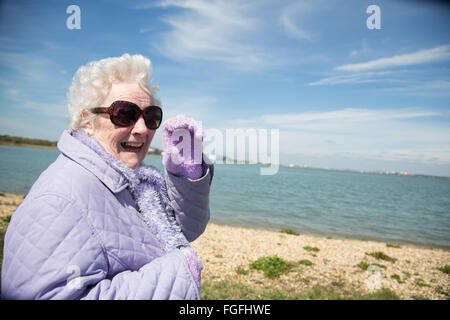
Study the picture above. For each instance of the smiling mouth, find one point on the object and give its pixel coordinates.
(132, 146)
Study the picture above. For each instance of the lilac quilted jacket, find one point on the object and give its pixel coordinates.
(78, 235)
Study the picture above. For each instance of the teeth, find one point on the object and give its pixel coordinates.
(133, 144)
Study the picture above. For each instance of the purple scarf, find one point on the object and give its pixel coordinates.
(148, 189)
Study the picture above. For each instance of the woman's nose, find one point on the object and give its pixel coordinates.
(139, 126)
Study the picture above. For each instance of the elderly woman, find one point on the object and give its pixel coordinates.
(98, 224)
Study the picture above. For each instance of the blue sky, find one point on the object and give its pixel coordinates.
(342, 95)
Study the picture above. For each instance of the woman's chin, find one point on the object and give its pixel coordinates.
(132, 160)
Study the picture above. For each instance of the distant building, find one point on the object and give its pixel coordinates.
(154, 151)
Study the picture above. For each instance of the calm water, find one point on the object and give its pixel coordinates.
(331, 203)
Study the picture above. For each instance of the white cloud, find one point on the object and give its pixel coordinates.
(30, 67)
(290, 17)
(212, 31)
(57, 110)
(300, 120)
(439, 53)
(400, 83)
(194, 107)
(365, 49)
(31, 78)
(393, 135)
(444, 85)
(145, 30)
(12, 93)
(5, 83)
(435, 88)
(361, 77)
(176, 103)
(25, 126)
(400, 80)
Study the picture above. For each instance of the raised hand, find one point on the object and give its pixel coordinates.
(183, 148)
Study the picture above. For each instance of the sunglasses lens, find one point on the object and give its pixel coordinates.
(153, 117)
(124, 113)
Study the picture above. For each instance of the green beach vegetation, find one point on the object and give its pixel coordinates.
(311, 249)
(445, 269)
(289, 231)
(272, 266)
(305, 262)
(363, 265)
(397, 278)
(393, 245)
(229, 290)
(381, 256)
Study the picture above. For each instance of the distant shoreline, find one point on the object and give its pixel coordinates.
(40, 143)
(27, 145)
(26, 142)
(32, 145)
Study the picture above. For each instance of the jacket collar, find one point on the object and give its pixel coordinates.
(91, 161)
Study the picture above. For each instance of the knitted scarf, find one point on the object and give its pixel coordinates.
(148, 189)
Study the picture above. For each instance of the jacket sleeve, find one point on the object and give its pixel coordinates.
(190, 200)
(164, 278)
(52, 252)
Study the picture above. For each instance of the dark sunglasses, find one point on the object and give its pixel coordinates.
(125, 113)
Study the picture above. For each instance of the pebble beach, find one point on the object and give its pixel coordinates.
(342, 264)
(411, 272)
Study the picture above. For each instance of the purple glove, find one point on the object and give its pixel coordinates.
(194, 263)
(183, 147)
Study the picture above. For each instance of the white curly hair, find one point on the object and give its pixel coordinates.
(91, 84)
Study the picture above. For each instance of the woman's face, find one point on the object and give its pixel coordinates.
(128, 144)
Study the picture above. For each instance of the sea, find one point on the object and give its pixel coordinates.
(339, 204)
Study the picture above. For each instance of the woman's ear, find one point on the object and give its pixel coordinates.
(88, 128)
